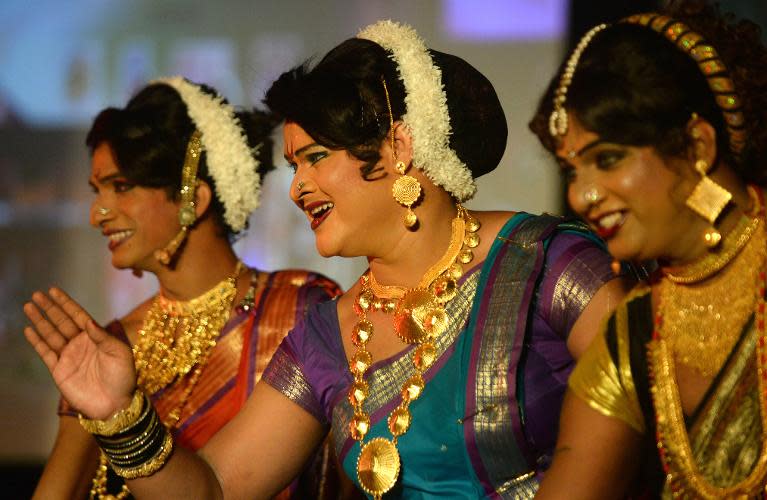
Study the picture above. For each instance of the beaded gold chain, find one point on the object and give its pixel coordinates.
(682, 473)
(419, 318)
(175, 337)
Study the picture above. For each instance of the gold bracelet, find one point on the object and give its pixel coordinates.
(119, 422)
(152, 465)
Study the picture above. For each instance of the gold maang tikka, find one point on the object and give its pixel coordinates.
(708, 198)
(406, 189)
(186, 213)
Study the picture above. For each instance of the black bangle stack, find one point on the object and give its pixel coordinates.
(141, 448)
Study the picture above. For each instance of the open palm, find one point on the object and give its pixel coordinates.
(93, 370)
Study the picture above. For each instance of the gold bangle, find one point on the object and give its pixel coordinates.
(152, 465)
(119, 422)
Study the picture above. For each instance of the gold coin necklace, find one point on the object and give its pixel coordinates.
(419, 318)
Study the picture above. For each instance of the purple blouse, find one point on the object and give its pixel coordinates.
(311, 369)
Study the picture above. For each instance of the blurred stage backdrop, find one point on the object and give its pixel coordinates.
(61, 62)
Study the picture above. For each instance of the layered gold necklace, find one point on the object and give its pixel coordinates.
(177, 336)
(419, 318)
(691, 317)
(705, 306)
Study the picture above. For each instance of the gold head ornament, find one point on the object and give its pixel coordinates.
(186, 213)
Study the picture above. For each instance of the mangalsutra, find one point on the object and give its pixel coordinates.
(419, 318)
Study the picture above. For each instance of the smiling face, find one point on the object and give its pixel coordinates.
(348, 214)
(139, 220)
(631, 196)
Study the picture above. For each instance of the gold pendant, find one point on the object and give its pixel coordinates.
(424, 356)
(399, 420)
(410, 219)
(419, 316)
(378, 466)
(445, 289)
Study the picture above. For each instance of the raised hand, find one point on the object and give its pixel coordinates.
(93, 370)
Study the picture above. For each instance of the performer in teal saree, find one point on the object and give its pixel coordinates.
(485, 424)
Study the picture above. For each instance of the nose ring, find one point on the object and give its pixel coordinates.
(592, 195)
(300, 186)
(103, 210)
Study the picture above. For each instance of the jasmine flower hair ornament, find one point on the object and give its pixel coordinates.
(426, 114)
(230, 160)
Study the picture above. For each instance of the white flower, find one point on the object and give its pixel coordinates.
(426, 112)
(230, 160)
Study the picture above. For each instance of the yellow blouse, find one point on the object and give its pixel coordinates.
(598, 381)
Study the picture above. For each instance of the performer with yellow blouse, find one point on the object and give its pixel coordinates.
(658, 122)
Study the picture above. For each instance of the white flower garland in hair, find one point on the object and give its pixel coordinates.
(230, 160)
(426, 112)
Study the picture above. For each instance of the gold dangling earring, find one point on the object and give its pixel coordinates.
(186, 214)
(406, 190)
(708, 199)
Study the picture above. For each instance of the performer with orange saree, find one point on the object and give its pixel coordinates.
(179, 155)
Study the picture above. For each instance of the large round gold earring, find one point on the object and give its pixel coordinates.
(406, 191)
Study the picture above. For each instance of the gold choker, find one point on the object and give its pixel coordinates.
(683, 475)
(703, 321)
(419, 318)
(717, 258)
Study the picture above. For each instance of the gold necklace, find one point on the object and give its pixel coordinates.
(716, 259)
(682, 473)
(703, 319)
(419, 317)
(175, 336)
(198, 322)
